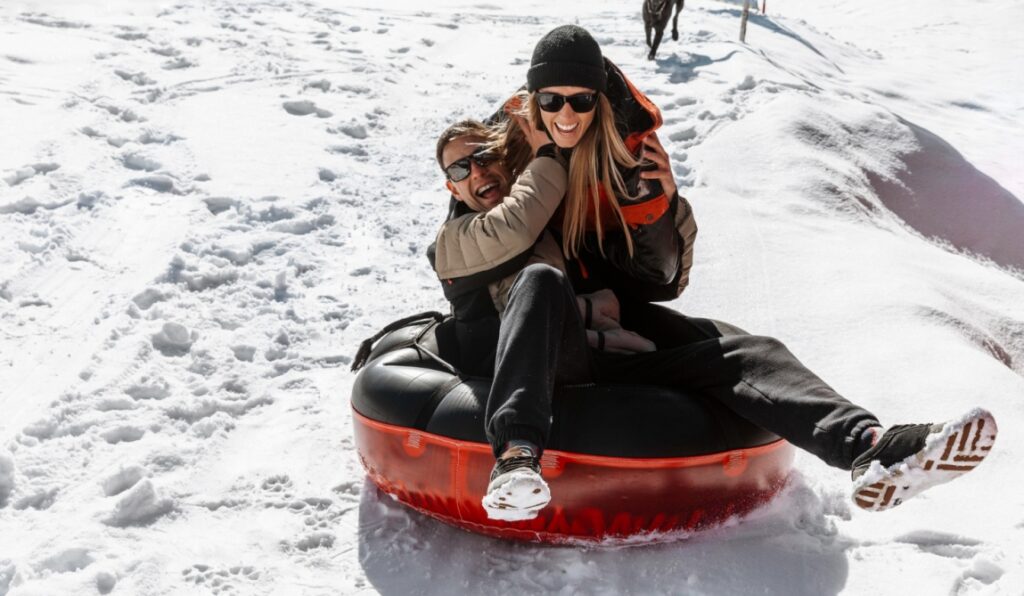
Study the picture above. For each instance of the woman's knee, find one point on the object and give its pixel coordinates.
(758, 347)
(723, 329)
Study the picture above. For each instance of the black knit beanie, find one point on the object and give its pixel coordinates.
(567, 56)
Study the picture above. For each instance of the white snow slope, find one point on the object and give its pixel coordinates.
(206, 205)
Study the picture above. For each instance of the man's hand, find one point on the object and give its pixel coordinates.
(604, 309)
(654, 152)
(620, 341)
(536, 138)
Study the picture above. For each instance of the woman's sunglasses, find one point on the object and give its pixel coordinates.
(553, 102)
(460, 169)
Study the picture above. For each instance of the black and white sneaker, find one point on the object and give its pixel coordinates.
(516, 491)
(910, 458)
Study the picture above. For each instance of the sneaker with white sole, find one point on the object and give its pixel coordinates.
(516, 491)
(910, 458)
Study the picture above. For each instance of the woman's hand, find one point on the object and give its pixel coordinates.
(654, 152)
(536, 138)
(604, 309)
(619, 341)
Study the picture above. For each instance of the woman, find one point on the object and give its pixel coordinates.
(590, 110)
(627, 230)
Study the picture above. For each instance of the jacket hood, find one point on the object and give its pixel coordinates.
(636, 116)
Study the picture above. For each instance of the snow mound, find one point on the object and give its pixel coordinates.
(139, 506)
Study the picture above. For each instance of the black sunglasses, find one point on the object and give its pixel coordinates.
(459, 170)
(553, 102)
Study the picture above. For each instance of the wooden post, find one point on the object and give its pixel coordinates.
(743, 21)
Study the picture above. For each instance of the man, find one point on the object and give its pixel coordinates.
(495, 236)
(513, 299)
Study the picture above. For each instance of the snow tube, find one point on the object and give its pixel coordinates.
(624, 462)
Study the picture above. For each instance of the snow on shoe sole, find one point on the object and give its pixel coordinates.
(955, 450)
(516, 496)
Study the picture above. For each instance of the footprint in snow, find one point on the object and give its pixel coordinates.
(141, 505)
(304, 107)
(319, 515)
(139, 161)
(687, 134)
(40, 500)
(138, 78)
(218, 205)
(24, 173)
(67, 561)
(220, 423)
(123, 434)
(174, 339)
(122, 480)
(356, 131)
(46, 20)
(277, 490)
(157, 182)
(303, 226)
(150, 137)
(244, 352)
(942, 544)
(150, 296)
(747, 84)
(321, 84)
(130, 34)
(225, 580)
(682, 102)
(179, 63)
(90, 199)
(165, 51)
(982, 571)
(111, 404)
(219, 411)
(272, 214)
(123, 114)
(309, 542)
(349, 490)
(356, 151)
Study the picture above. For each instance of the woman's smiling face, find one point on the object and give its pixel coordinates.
(567, 126)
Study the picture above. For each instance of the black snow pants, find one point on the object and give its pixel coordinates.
(542, 343)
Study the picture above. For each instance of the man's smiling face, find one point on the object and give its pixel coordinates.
(486, 186)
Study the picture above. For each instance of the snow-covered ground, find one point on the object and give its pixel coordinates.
(206, 205)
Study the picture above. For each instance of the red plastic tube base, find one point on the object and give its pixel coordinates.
(594, 498)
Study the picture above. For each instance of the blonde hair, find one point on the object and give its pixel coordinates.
(593, 167)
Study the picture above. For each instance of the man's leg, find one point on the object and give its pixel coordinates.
(541, 342)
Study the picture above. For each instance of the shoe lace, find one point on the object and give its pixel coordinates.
(507, 464)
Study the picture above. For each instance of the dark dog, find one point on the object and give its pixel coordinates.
(656, 14)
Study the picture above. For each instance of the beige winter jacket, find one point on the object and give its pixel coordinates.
(478, 242)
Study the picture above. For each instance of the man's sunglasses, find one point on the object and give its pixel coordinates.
(460, 169)
(553, 102)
